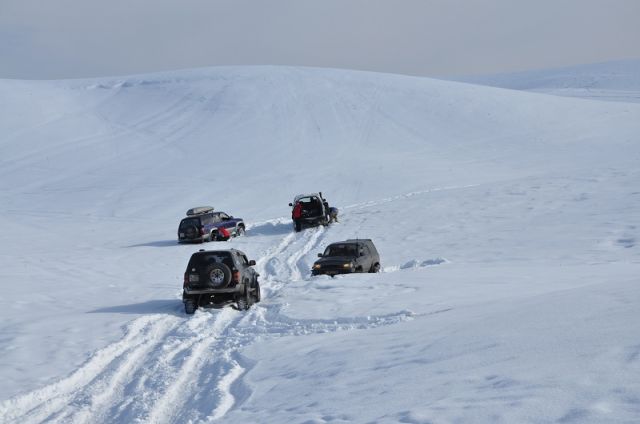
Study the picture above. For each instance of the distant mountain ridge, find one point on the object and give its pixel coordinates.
(612, 81)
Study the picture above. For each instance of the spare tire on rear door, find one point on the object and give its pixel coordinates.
(217, 275)
(191, 232)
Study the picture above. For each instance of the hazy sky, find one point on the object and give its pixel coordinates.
(76, 38)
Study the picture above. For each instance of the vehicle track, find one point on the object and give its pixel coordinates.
(169, 369)
(46, 403)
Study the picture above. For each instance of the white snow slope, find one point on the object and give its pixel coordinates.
(508, 225)
(611, 81)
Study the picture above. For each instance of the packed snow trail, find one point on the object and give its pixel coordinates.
(173, 368)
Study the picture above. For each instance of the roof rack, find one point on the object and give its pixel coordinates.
(199, 210)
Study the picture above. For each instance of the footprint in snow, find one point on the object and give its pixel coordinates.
(626, 242)
(416, 263)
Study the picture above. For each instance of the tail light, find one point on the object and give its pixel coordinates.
(236, 277)
(186, 280)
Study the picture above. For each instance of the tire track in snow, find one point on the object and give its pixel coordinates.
(167, 407)
(152, 378)
(227, 400)
(107, 388)
(170, 369)
(294, 263)
(42, 403)
(405, 196)
(137, 376)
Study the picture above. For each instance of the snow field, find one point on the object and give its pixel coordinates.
(507, 225)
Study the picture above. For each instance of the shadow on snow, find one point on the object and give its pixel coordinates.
(159, 243)
(165, 306)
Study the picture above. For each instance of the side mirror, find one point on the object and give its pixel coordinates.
(319, 255)
(252, 262)
(290, 204)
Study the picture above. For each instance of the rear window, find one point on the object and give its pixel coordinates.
(201, 260)
(190, 222)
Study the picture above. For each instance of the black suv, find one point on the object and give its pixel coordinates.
(220, 277)
(348, 256)
(203, 224)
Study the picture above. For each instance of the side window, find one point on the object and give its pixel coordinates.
(241, 260)
(364, 249)
(206, 220)
(224, 216)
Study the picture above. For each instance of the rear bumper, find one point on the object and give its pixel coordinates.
(205, 298)
(310, 222)
(190, 292)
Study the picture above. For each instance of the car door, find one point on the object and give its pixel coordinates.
(226, 222)
(207, 223)
(365, 258)
(245, 269)
(215, 220)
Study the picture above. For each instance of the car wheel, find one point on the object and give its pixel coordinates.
(239, 231)
(257, 296)
(375, 268)
(212, 236)
(218, 275)
(241, 304)
(189, 307)
(248, 297)
(244, 300)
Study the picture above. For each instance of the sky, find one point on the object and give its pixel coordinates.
(85, 38)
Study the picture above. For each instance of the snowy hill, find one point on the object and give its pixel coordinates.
(612, 81)
(507, 223)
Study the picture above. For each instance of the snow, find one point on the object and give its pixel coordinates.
(507, 224)
(610, 81)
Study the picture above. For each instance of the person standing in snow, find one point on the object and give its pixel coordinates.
(296, 214)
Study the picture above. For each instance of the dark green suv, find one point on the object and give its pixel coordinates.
(215, 278)
(345, 257)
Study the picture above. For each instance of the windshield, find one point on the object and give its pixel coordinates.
(341, 250)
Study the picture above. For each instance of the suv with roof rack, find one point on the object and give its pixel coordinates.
(215, 278)
(203, 224)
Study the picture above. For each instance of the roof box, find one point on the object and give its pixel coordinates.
(199, 210)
